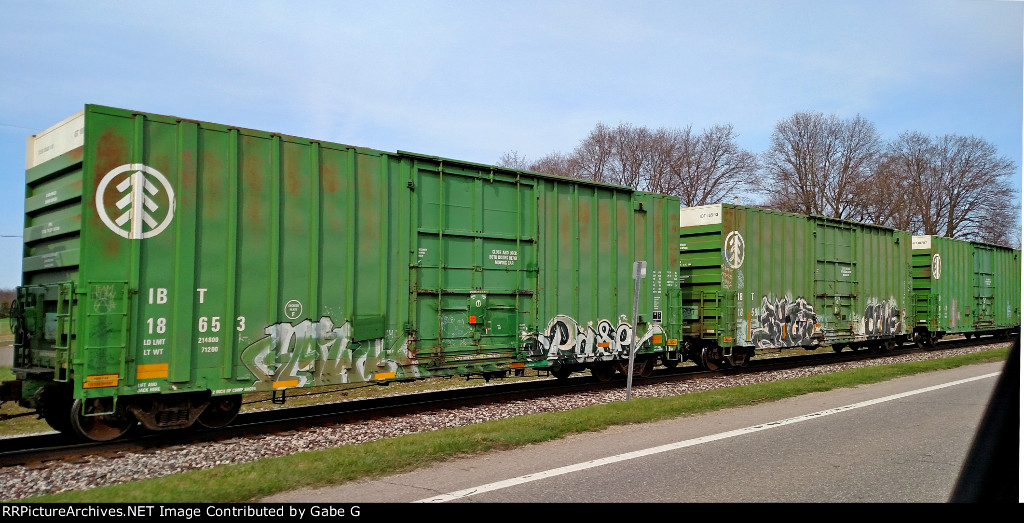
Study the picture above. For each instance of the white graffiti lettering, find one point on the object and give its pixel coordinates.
(318, 353)
(565, 337)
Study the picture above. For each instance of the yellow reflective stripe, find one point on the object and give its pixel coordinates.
(383, 375)
(151, 371)
(283, 384)
(100, 380)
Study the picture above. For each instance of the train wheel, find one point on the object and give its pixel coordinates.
(923, 339)
(602, 371)
(967, 335)
(709, 359)
(561, 372)
(740, 358)
(837, 348)
(888, 345)
(670, 364)
(221, 411)
(103, 427)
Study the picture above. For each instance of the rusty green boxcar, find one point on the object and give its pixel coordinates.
(171, 265)
(964, 287)
(760, 279)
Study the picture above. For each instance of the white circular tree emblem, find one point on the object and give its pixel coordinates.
(141, 195)
(936, 266)
(733, 250)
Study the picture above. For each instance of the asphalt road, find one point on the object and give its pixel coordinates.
(889, 442)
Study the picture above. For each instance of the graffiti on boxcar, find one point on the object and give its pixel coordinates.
(314, 353)
(881, 318)
(586, 343)
(785, 322)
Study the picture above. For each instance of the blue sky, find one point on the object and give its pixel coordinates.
(472, 80)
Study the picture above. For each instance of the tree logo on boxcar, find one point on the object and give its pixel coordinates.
(141, 194)
(936, 266)
(733, 250)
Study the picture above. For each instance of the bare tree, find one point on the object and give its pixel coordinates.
(954, 186)
(513, 160)
(885, 198)
(593, 155)
(664, 147)
(629, 165)
(699, 168)
(973, 196)
(711, 167)
(558, 164)
(816, 163)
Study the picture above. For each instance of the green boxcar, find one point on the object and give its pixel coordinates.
(760, 279)
(964, 287)
(172, 265)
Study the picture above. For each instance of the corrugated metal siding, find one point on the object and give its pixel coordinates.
(590, 237)
(766, 279)
(997, 273)
(963, 286)
(283, 262)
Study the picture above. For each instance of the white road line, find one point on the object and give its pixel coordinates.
(681, 444)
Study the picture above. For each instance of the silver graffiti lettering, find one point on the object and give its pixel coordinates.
(881, 318)
(564, 336)
(317, 353)
(784, 323)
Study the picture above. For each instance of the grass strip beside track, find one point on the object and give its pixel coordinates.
(255, 480)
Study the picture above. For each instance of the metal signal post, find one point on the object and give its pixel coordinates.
(639, 273)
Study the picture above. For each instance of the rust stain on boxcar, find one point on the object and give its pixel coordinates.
(212, 188)
(292, 179)
(330, 178)
(252, 178)
(188, 179)
(111, 152)
(624, 218)
(604, 226)
(368, 196)
(565, 221)
(76, 153)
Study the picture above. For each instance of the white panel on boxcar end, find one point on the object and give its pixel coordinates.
(700, 215)
(55, 141)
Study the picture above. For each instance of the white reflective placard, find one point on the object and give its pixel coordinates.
(55, 141)
(700, 215)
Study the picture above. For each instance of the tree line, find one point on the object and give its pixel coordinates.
(952, 185)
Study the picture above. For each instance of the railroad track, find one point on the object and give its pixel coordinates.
(40, 449)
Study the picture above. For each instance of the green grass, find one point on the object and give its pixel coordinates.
(252, 481)
(23, 424)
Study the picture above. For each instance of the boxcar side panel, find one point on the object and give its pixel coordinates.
(194, 256)
(765, 279)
